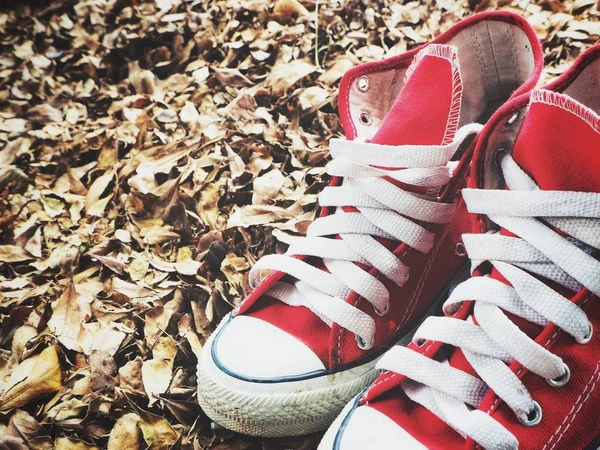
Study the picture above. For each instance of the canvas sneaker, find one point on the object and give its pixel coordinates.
(387, 243)
(515, 361)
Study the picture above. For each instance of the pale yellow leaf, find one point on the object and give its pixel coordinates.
(126, 433)
(157, 431)
(97, 198)
(13, 253)
(158, 371)
(44, 377)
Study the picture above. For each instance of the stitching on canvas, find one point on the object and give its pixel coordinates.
(520, 371)
(494, 405)
(448, 53)
(358, 298)
(455, 104)
(591, 385)
(589, 297)
(480, 59)
(513, 59)
(493, 59)
(383, 380)
(379, 68)
(392, 374)
(413, 301)
(338, 352)
(566, 103)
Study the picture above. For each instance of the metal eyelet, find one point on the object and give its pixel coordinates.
(360, 342)
(588, 337)
(534, 417)
(419, 342)
(363, 83)
(497, 156)
(383, 312)
(365, 118)
(562, 380)
(460, 250)
(512, 119)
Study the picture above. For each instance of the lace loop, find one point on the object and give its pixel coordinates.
(343, 239)
(489, 339)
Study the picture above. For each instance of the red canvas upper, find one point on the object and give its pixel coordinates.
(425, 111)
(558, 145)
(414, 118)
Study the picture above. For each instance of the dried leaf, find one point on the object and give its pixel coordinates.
(69, 313)
(36, 376)
(266, 187)
(285, 74)
(12, 443)
(99, 195)
(126, 433)
(24, 426)
(156, 430)
(158, 371)
(64, 443)
(313, 98)
(289, 7)
(150, 152)
(103, 369)
(12, 253)
(130, 376)
(189, 113)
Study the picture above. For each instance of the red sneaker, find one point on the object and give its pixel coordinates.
(387, 242)
(515, 362)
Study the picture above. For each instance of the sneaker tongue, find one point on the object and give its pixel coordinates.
(427, 109)
(559, 143)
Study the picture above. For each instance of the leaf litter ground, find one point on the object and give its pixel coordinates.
(150, 152)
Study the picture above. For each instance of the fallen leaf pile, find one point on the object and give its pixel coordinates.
(148, 151)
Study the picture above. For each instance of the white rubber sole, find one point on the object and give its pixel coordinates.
(292, 408)
(277, 409)
(328, 440)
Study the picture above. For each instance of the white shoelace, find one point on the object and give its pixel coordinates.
(381, 206)
(454, 395)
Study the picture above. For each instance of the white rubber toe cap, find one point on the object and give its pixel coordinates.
(369, 429)
(252, 348)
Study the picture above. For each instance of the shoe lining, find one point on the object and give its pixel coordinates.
(585, 87)
(495, 59)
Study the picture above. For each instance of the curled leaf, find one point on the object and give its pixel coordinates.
(99, 195)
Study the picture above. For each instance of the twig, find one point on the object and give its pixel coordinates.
(317, 34)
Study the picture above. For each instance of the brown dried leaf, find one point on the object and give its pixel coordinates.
(157, 431)
(103, 369)
(130, 376)
(64, 443)
(70, 311)
(23, 426)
